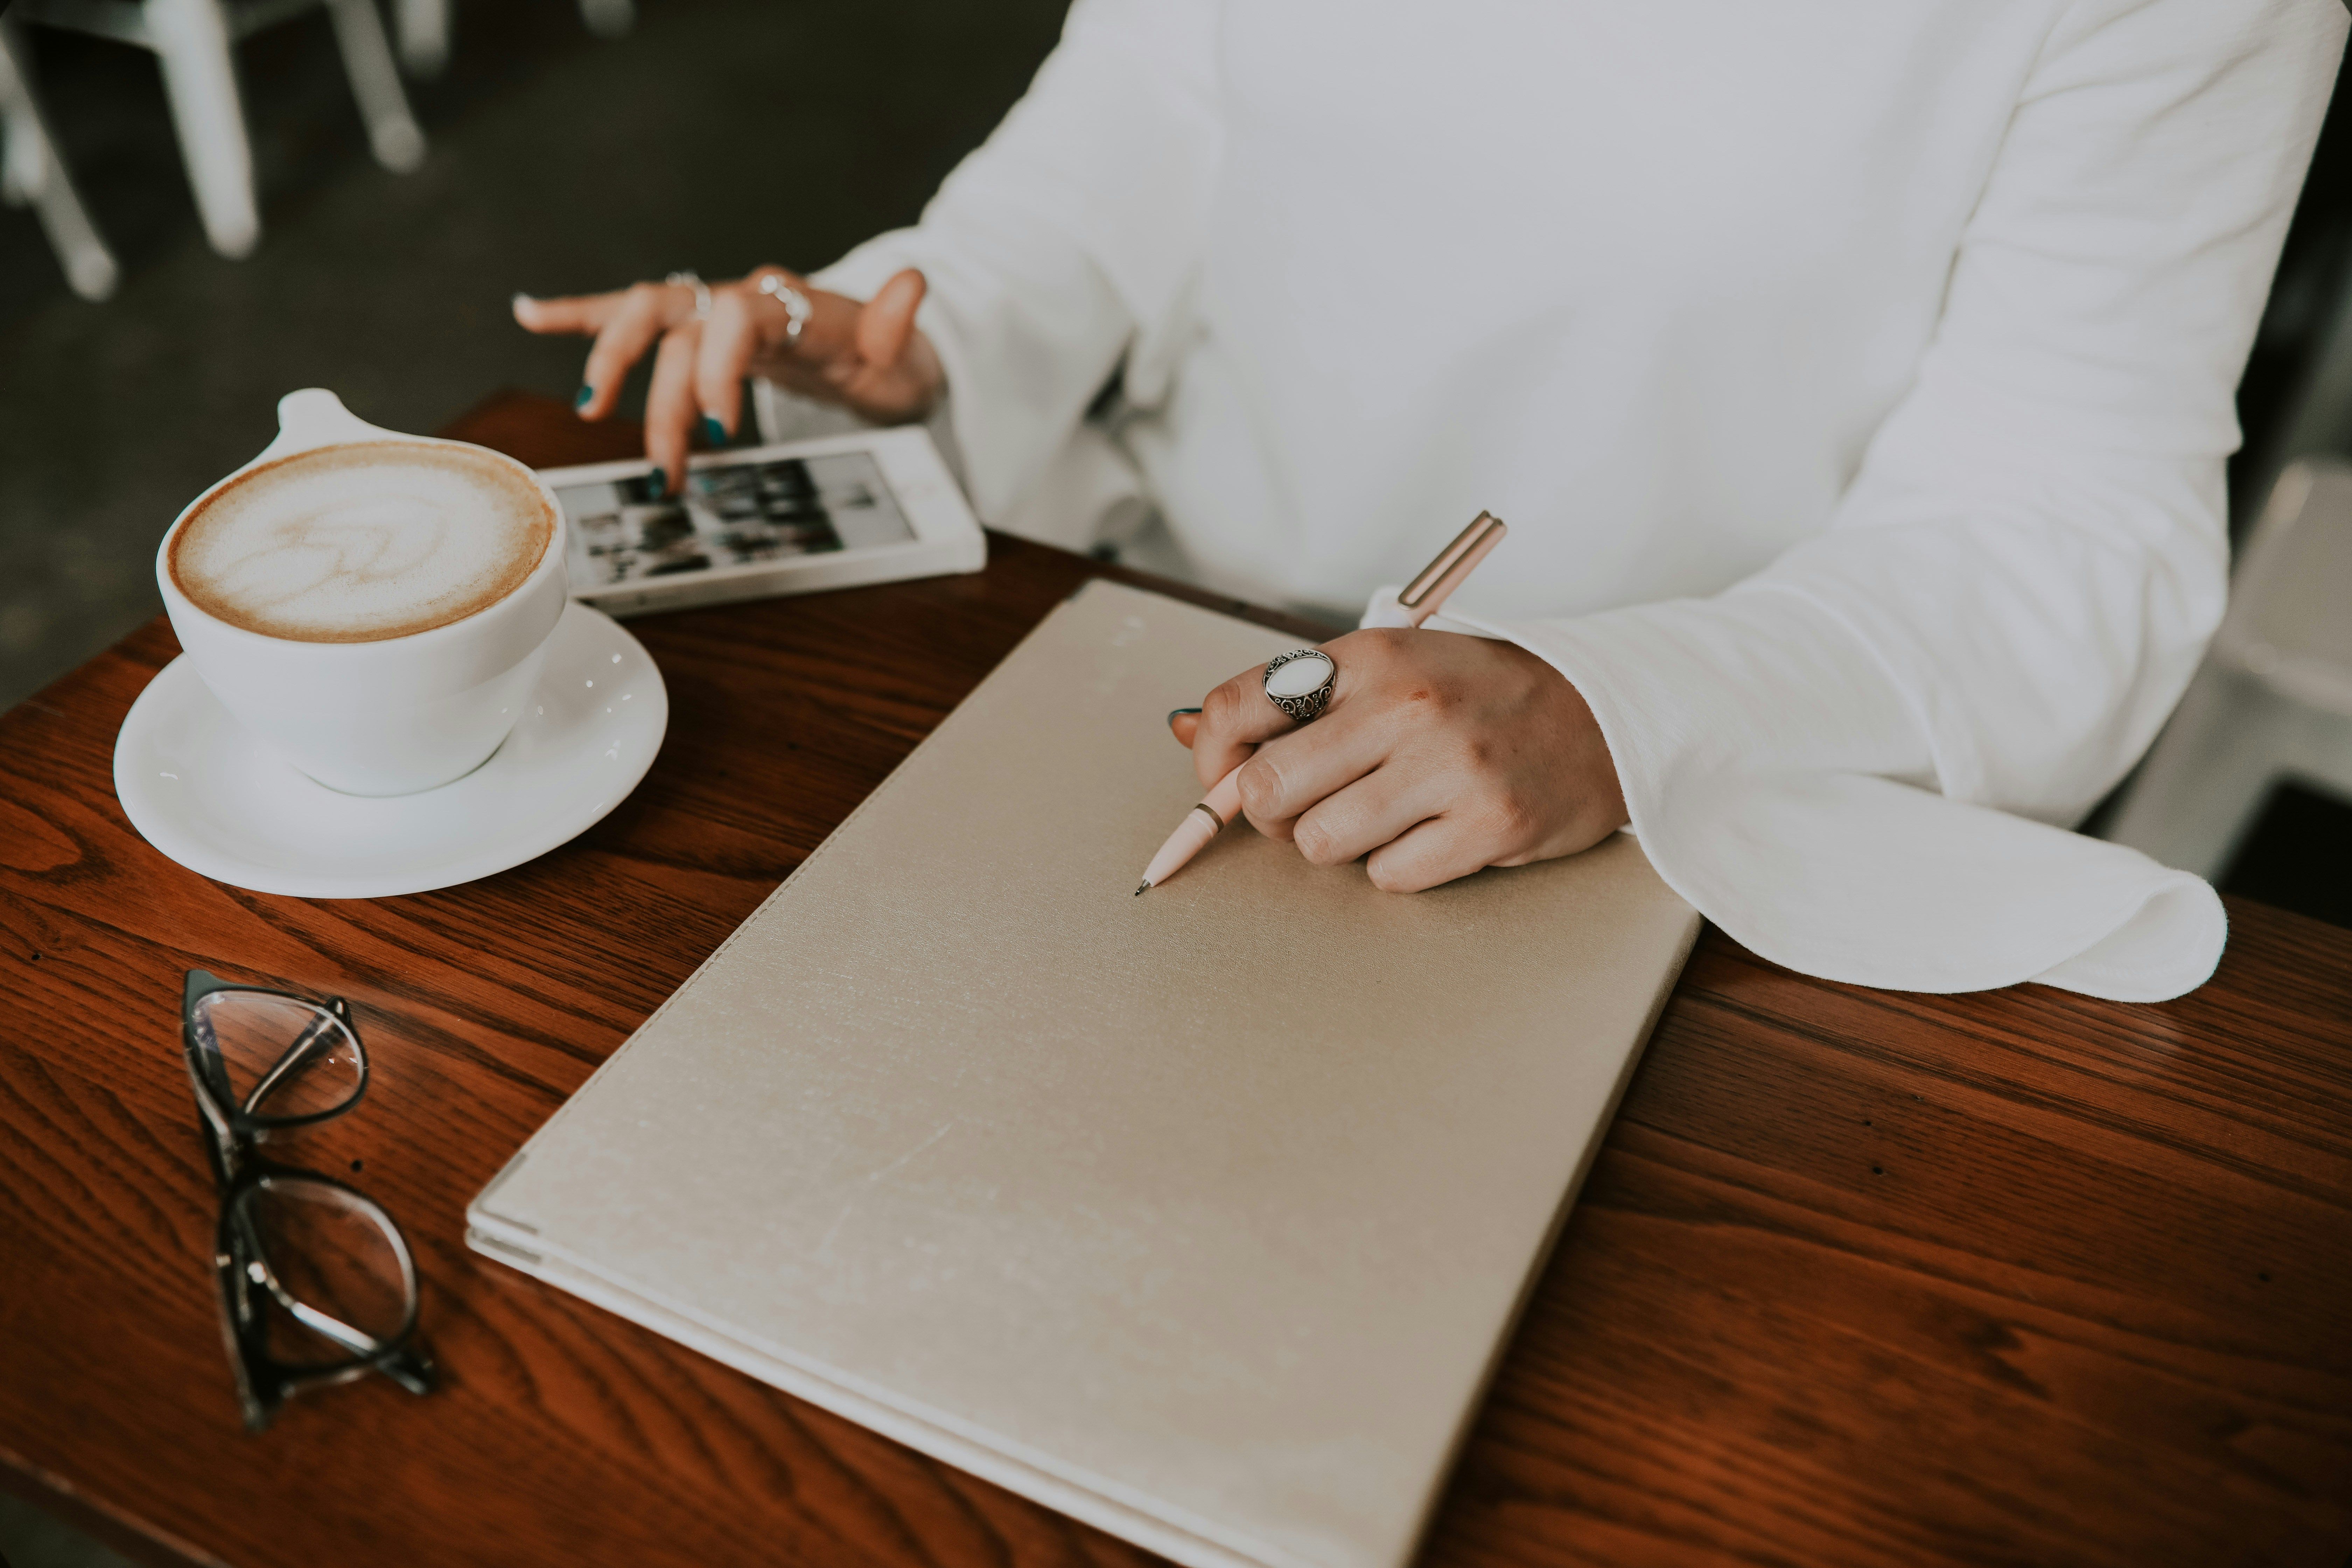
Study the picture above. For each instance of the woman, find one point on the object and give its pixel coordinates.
(1856, 381)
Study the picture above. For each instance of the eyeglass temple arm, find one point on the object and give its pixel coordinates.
(403, 1363)
(358, 1342)
(355, 1340)
(338, 1012)
(409, 1367)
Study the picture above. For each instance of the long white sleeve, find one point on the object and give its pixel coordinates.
(1856, 382)
(1064, 242)
(2023, 576)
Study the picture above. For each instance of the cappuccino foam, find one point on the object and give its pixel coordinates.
(361, 541)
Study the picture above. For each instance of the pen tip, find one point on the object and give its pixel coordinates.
(1140, 887)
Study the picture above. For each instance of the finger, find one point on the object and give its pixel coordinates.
(1290, 773)
(1375, 809)
(830, 331)
(1438, 850)
(729, 339)
(582, 313)
(812, 381)
(1236, 720)
(621, 341)
(828, 360)
(669, 402)
(888, 320)
(1184, 724)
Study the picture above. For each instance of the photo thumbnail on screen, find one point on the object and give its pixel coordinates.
(732, 514)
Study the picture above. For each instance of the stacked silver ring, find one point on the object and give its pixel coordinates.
(701, 291)
(1308, 704)
(797, 308)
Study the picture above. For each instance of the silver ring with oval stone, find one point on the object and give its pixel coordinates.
(1299, 682)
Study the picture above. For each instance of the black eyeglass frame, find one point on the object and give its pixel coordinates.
(233, 1131)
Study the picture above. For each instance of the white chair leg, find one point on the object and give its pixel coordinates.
(2230, 740)
(423, 27)
(35, 172)
(367, 60)
(192, 39)
(608, 18)
(23, 139)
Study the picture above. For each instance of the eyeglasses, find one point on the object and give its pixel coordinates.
(317, 1284)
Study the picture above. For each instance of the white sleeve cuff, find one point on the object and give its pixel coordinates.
(1778, 782)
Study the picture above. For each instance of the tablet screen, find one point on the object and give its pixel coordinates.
(729, 514)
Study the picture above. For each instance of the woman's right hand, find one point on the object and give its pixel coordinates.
(870, 356)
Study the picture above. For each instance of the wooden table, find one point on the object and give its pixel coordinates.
(1859, 1278)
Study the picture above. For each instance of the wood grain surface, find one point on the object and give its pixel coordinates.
(1858, 1279)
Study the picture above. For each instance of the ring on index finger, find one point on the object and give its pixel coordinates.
(1299, 682)
(797, 308)
(701, 291)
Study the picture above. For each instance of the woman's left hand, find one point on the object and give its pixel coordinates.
(1439, 754)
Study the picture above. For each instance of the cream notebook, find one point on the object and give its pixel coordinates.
(1202, 1216)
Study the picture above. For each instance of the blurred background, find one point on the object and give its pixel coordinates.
(568, 147)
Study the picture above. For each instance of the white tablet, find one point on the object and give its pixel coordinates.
(869, 507)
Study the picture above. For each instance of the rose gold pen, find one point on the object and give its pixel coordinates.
(1421, 599)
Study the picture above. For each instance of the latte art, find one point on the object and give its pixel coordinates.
(364, 542)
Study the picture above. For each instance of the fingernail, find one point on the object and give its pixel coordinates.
(713, 432)
(520, 300)
(579, 398)
(659, 480)
(1176, 713)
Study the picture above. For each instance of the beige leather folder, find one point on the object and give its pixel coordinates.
(1201, 1215)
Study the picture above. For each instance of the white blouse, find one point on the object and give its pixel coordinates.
(1856, 381)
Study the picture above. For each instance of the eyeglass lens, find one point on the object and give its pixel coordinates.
(283, 1056)
(329, 1265)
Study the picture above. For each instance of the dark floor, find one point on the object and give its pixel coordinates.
(31, 1539)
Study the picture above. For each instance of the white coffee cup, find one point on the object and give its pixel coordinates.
(391, 716)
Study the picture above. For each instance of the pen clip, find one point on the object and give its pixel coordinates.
(1425, 592)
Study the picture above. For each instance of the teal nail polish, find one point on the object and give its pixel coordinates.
(659, 480)
(1176, 713)
(579, 398)
(713, 432)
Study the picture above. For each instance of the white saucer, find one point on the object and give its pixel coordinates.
(199, 789)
